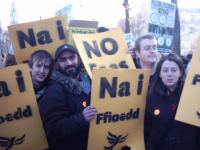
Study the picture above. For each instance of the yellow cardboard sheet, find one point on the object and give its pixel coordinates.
(103, 50)
(20, 123)
(70, 40)
(189, 105)
(47, 34)
(120, 98)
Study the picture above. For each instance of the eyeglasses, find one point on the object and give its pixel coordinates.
(148, 48)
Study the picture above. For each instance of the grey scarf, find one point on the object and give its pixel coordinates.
(68, 82)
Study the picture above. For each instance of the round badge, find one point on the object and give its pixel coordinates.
(168, 42)
(157, 112)
(170, 21)
(161, 41)
(154, 17)
(162, 19)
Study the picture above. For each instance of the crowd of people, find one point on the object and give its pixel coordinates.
(63, 97)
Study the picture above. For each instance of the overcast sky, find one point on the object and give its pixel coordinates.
(107, 12)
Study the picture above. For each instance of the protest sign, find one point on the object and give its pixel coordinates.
(161, 24)
(103, 50)
(66, 10)
(119, 96)
(129, 39)
(20, 121)
(47, 34)
(189, 105)
(81, 27)
(72, 30)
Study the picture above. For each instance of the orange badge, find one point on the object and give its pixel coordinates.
(84, 104)
(157, 112)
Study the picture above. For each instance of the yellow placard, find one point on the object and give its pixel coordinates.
(119, 96)
(47, 34)
(70, 40)
(79, 30)
(103, 50)
(189, 106)
(20, 122)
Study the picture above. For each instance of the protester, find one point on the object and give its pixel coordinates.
(185, 61)
(131, 50)
(187, 68)
(146, 50)
(40, 64)
(189, 56)
(10, 58)
(65, 106)
(161, 131)
(102, 29)
(2, 59)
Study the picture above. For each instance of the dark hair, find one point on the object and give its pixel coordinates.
(138, 41)
(157, 81)
(39, 56)
(102, 29)
(189, 56)
(9, 60)
(3, 55)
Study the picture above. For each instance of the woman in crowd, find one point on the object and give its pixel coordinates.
(161, 131)
(10, 58)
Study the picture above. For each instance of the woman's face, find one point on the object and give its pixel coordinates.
(169, 74)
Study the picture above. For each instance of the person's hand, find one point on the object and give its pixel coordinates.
(131, 51)
(89, 113)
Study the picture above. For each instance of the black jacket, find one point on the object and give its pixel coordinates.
(61, 111)
(181, 136)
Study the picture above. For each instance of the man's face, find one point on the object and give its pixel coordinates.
(68, 63)
(39, 70)
(148, 51)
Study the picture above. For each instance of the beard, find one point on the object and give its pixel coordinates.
(70, 73)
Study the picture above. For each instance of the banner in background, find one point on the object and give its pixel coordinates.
(161, 24)
(129, 39)
(119, 96)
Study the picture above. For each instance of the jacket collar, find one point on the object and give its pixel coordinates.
(165, 95)
(68, 82)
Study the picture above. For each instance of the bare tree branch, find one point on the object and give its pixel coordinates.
(131, 2)
(120, 1)
(186, 34)
(135, 5)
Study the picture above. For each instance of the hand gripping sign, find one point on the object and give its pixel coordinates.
(47, 34)
(189, 106)
(103, 50)
(20, 123)
(120, 97)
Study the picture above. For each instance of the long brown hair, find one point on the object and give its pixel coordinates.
(157, 82)
(9, 60)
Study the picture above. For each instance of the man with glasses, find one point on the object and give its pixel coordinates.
(146, 50)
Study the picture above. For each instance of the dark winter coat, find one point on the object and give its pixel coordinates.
(181, 136)
(61, 111)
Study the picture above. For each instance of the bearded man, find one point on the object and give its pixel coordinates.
(65, 107)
